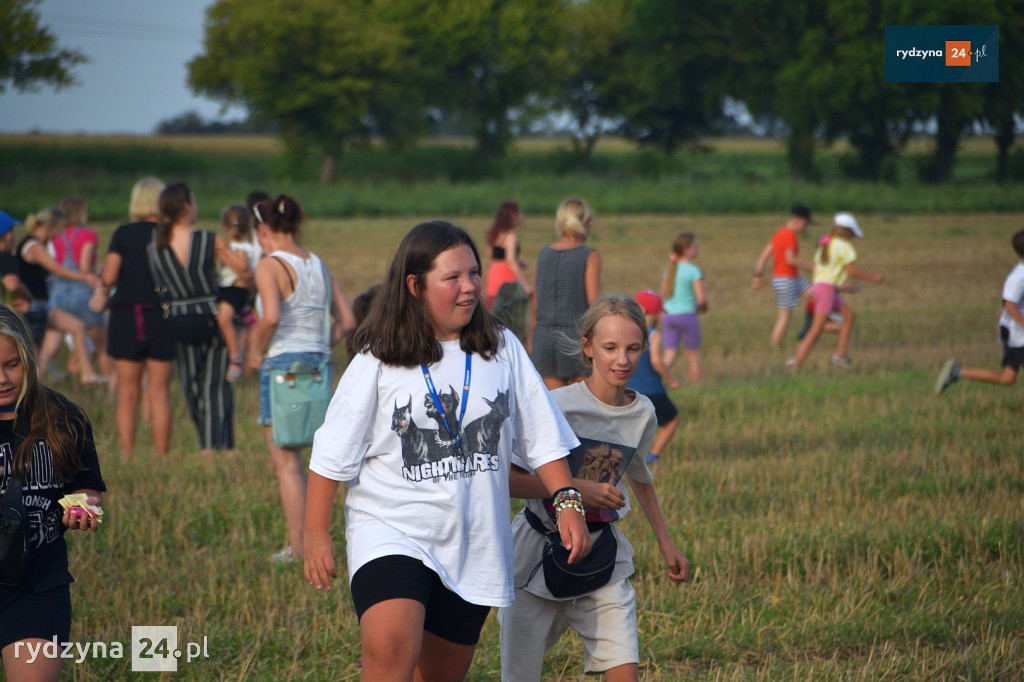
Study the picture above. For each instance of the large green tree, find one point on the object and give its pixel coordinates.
(775, 62)
(675, 59)
(951, 107)
(322, 71)
(1004, 100)
(594, 81)
(29, 55)
(483, 59)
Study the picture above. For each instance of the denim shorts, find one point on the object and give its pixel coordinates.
(73, 297)
(281, 362)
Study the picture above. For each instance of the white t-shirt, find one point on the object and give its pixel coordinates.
(411, 494)
(1013, 290)
(225, 275)
(613, 439)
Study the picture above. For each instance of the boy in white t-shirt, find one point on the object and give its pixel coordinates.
(1011, 333)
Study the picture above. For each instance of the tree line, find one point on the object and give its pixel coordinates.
(331, 74)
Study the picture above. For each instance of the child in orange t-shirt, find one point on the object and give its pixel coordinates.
(783, 248)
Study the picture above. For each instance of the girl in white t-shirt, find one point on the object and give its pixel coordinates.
(833, 265)
(235, 280)
(616, 427)
(422, 427)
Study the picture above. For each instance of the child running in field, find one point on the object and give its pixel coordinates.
(235, 280)
(683, 292)
(615, 426)
(649, 375)
(427, 510)
(784, 248)
(1011, 333)
(834, 321)
(833, 265)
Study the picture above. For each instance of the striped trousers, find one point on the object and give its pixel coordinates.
(209, 398)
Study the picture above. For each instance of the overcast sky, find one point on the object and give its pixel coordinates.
(135, 76)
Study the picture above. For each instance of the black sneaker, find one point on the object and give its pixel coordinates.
(948, 375)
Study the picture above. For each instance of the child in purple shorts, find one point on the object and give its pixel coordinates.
(683, 292)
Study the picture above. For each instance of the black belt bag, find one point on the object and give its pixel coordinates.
(572, 580)
(13, 534)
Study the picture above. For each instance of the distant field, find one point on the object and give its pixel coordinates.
(444, 177)
(268, 144)
(842, 525)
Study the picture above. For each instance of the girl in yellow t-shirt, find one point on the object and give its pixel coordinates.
(833, 264)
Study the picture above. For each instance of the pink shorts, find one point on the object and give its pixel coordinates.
(826, 298)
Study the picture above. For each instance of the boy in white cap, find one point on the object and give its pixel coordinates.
(833, 265)
(1011, 332)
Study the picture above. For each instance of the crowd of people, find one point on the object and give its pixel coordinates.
(464, 389)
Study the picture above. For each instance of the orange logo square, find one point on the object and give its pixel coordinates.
(958, 53)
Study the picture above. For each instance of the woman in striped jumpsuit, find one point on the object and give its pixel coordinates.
(183, 260)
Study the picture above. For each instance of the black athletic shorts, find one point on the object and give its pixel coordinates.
(27, 615)
(1012, 357)
(137, 333)
(664, 409)
(36, 321)
(236, 297)
(449, 616)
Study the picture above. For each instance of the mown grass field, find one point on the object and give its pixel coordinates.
(842, 525)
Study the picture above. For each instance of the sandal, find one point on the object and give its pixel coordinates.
(234, 371)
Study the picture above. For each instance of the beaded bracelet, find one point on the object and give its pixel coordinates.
(567, 498)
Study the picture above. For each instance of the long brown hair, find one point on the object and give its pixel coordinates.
(397, 329)
(826, 247)
(76, 210)
(173, 200)
(680, 244)
(504, 221)
(50, 416)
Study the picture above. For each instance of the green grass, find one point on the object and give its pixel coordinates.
(735, 176)
(841, 524)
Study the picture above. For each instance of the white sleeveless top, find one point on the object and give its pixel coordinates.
(301, 327)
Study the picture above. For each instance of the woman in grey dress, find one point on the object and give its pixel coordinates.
(568, 280)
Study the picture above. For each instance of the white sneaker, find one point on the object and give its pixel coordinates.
(791, 364)
(948, 375)
(285, 556)
(841, 361)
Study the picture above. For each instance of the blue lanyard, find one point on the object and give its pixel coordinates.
(440, 408)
